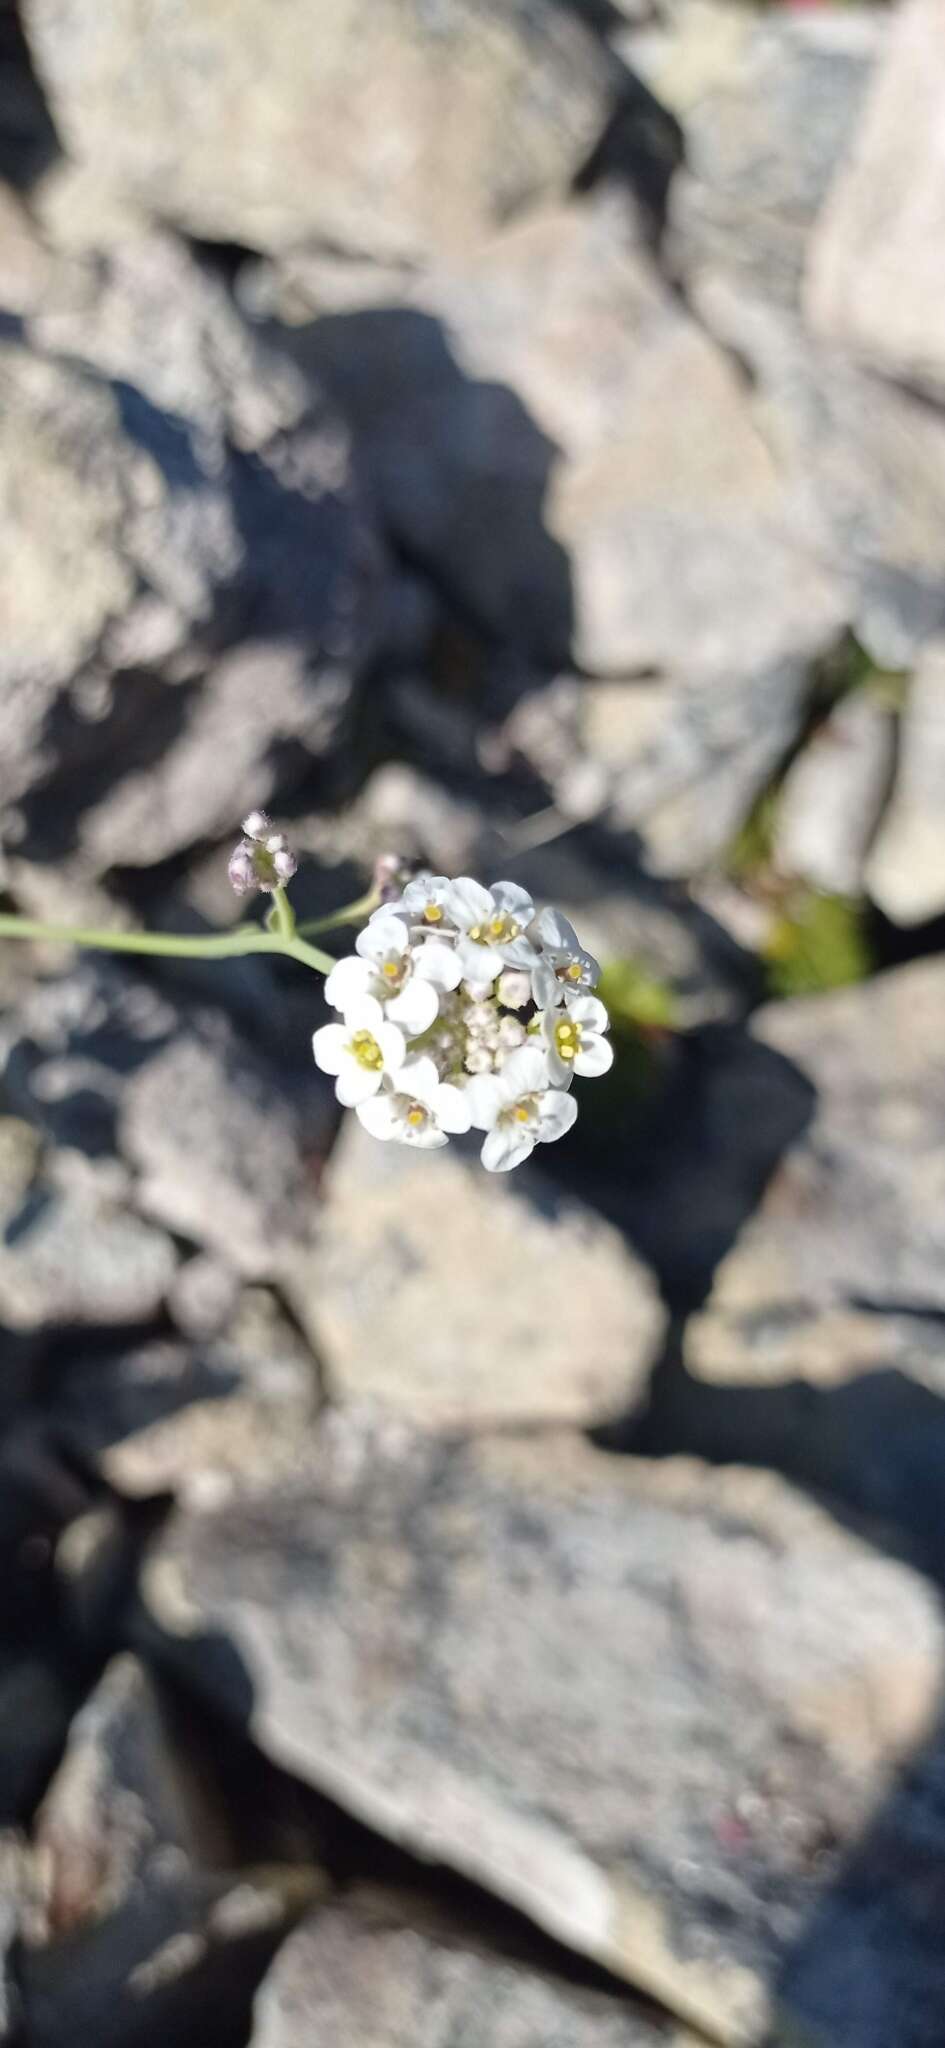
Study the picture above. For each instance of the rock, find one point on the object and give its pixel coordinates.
(24, 263)
(851, 1219)
(14, 1893)
(365, 1977)
(832, 797)
(188, 1418)
(140, 1931)
(393, 136)
(770, 104)
(863, 460)
(870, 282)
(70, 1255)
(216, 1145)
(906, 871)
(651, 1707)
(193, 599)
(628, 517)
(452, 1297)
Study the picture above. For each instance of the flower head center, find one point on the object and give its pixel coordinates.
(567, 1039)
(365, 1049)
(433, 913)
(416, 1116)
(524, 1111)
(392, 969)
(573, 972)
(503, 928)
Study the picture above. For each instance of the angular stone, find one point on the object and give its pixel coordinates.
(626, 515)
(142, 1929)
(873, 281)
(906, 871)
(451, 1296)
(851, 1223)
(832, 797)
(650, 1706)
(366, 1978)
(193, 592)
(70, 1255)
(392, 135)
(770, 104)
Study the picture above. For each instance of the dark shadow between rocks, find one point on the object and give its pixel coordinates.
(459, 469)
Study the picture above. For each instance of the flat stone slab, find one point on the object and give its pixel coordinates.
(453, 1295)
(650, 1706)
(344, 1977)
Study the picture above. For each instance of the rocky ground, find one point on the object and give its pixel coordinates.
(433, 1611)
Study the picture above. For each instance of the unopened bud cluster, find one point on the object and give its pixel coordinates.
(464, 1008)
(263, 859)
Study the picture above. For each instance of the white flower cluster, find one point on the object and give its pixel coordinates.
(464, 1008)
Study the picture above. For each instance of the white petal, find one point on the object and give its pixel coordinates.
(556, 1115)
(485, 1098)
(364, 1014)
(555, 931)
(424, 889)
(426, 1139)
(438, 963)
(393, 1047)
(470, 903)
(588, 1011)
(382, 935)
(355, 1083)
(560, 1072)
(513, 901)
(414, 1009)
(524, 1072)
(519, 952)
(451, 1108)
(349, 979)
(596, 1055)
(478, 963)
(507, 1146)
(330, 1046)
(419, 1079)
(546, 988)
(379, 1116)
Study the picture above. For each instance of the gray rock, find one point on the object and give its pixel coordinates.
(14, 1892)
(451, 1296)
(142, 1928)
(391, 135)
(365, 1977)
(863, 460)
(627, 517)
(192, 1419)
(649, 1706)
(872, 274)
(832, 797)
(187, 492)
(849, 1232)
(906, 870)
(770, 104)
(71, 1255)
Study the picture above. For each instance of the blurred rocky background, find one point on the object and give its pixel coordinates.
(436, 1611)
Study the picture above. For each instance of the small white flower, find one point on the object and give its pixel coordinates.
(404, 979)
(426, 901)
(361, 1051)
(574, 1039)
(416, 1109)
(517, 1109)
(563, 965)
(491, 924)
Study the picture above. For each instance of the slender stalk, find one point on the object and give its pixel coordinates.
(281, 917)
(350, 913)
(172, 945)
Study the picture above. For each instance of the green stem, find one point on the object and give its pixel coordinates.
(172, 945)
(350, 913)
(281, 917)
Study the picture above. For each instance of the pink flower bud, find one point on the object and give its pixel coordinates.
(257, 824)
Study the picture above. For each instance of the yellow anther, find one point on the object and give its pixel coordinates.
(416, 1115)
(433, 913)
(522, 1112)
(475, 931)
(575, 971)
(366, 1051)
(497, 927)
(391, 968)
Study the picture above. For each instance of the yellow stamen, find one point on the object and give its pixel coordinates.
(366, 1051)
(416, 1115)
(391, 968)
(522, 1112)
(575, 971)
(433, 913)
(475, 931)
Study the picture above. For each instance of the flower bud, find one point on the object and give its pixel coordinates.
(257, 825)
(263, 860)
(391, 875)
(241, 871)
(514, 988)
